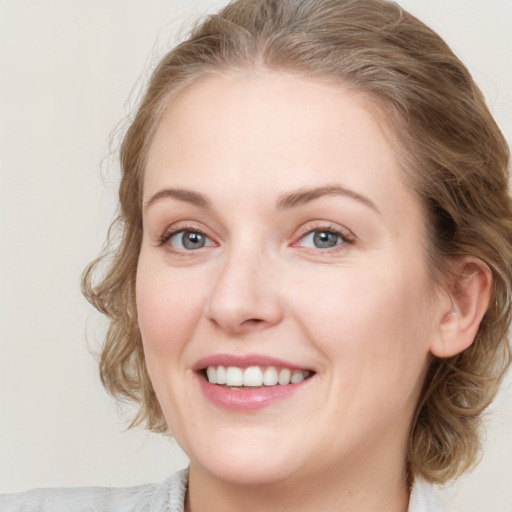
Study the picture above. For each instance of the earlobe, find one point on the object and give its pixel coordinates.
(467, 301)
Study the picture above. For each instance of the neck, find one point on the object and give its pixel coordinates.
(381, 488)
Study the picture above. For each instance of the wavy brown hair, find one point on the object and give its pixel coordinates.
(451, 151)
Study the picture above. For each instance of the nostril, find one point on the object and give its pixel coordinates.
(253, 321)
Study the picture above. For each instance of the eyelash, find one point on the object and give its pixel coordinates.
(168, 234)
(345, 236)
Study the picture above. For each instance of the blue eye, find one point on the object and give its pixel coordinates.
(322, 239)
(186, 240)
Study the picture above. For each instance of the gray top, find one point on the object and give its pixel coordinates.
(167, 496)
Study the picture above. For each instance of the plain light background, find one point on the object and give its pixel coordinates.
(70, 71)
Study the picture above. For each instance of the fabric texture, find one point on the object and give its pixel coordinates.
(167, 496)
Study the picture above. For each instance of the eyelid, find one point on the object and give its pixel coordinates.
(180, 227)
(344, 233)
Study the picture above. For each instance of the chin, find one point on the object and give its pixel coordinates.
(256, 458)
(247, 472)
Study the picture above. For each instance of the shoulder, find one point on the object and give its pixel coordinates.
(168, 496)
(424, 498)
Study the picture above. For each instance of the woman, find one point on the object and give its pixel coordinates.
(312, 288)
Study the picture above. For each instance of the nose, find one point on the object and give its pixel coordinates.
(244, 297)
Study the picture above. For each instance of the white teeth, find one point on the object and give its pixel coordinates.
(234, 376)
(284, 376)
(211, 374)
(270, 377)
(221, 375)
(254, 376)
(297, 376)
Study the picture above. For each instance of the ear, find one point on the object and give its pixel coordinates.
(463, 306)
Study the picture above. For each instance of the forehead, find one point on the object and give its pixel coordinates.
(273, 132)
(266, 108)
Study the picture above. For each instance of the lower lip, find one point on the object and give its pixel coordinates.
(247, 398)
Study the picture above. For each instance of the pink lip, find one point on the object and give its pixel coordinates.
(243, 361)
(245, 399)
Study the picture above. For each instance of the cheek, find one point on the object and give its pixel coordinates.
(168, 309)
(373, 325)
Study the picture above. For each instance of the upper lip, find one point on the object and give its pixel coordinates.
(244, 361)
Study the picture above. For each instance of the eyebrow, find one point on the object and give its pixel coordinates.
(285, 201)
(305, 195)
(193, 198)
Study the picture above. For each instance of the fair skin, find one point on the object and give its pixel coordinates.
(240, 267)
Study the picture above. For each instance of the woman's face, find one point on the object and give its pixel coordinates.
(280, 242)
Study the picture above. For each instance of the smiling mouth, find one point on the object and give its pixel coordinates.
(254, 376)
